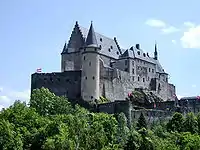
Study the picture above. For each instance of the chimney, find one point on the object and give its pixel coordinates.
(137, 46)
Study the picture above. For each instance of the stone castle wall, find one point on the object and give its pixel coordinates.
(62, 84)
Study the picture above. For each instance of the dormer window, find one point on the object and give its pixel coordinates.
(144, 54)
(117, 53)
(99, 46)
(111, 47)
(101, 39)
(138, 52)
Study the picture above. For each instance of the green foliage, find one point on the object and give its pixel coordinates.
(190, 123)
(103, 100)
(141, 122)
(176, 123)
(51, 123)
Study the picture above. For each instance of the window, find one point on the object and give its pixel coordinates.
(84, 58)
(133, 63)
(85, 78)
(148, 78)
(133, 78)
(91, 97)
(90, 63)
(143, 79)
(117, 53)
(111, 47)
(126, 62)
(153, 70)
(138, 78)
(126, 69)
(93, 77)
(144, 54)
(138, 52)
(101, 39)
(100, 46)
(149, 69)
(133, 71)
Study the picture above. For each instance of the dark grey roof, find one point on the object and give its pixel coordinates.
(64, 48)
(91, 38)
(107, 45)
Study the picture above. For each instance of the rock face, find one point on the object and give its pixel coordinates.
(143, 98)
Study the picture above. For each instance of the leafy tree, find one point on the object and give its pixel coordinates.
(47, 103)
(198, 122)
(176, 123)
(190, 123)
(141, 122)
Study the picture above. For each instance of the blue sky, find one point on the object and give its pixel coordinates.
(32, 35)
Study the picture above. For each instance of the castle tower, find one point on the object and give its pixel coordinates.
(156, 52)
(90, 68)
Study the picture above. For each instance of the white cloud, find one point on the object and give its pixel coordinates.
(194, 86)
(8, 97)
(174, 41)
(156, 23)
(179, 96)
(170, 29)
(188, 24)
(191, 37)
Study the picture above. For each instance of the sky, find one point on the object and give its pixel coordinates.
(33, 32)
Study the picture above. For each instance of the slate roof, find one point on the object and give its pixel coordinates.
(108, 45)
(91, 38)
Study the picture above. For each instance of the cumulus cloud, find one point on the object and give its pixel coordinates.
(174, 41)
(188, 24)
(164, 27)
(191, 37)
(7, 97)
(170, 29)
(155, 23)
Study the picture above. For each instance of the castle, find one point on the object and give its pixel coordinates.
(93, 65)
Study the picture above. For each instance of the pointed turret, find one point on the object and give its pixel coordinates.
(91, 40)
(156, 53)
(65, 48)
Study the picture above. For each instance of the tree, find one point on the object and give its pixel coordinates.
(190, 123)
(141, 122)
(176, 123)
(47, 103)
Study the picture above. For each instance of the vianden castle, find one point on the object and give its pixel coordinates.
(94, 66)
(96, 70)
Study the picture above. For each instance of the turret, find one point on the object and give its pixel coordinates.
(90, 68)
(155, 52)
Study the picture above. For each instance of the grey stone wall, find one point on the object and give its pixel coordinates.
(62, 84)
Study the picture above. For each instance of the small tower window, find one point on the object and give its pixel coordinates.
(126, 62)
(144, 54)
(84, 58)
(90, 63)
(111, 47)
(93, 77)
(101, 39)
(100, 46)
(133, 71)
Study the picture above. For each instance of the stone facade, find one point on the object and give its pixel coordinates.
(97, 66)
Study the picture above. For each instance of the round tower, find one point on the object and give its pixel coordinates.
(90, 68)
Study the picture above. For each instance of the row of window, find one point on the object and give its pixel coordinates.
(138, 79)
(92, 78)
(138, 52)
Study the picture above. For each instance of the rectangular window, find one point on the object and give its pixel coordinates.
(133, 71)
(143, 79)
(153, 70)
(149, 69)
(126, 62)
(133, 78)
(138, 78)
(133, 63)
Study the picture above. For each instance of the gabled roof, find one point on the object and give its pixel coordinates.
(107, 45)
